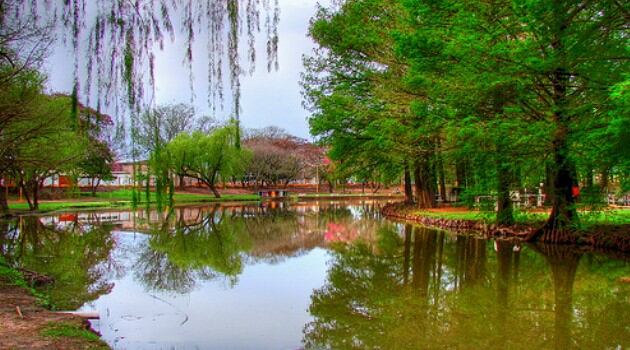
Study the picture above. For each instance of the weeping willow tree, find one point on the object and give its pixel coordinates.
(115, 44)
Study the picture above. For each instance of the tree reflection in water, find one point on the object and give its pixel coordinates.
(433, 290)
(76, 255)
(190, 245)
(179, 253)
(388, 286)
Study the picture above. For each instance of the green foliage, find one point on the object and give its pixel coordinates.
(489, 96)
(96, 165)
(209, 158)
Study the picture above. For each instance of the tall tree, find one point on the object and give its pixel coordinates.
(361, 104)
(55, 148)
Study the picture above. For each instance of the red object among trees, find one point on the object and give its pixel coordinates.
(64, 181)
(67, 218)
(575, 191)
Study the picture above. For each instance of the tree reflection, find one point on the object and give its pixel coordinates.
(176, 256)
(430, 290)
(470, 261)
(75, 255)
(563, 261)
(187, 245)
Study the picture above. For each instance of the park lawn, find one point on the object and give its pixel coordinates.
(58, 205)
(178, 197)
(587, 218)
(124, 199)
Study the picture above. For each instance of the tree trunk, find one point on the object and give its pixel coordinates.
(442, 181)
(548, 187)
(4, 204)
(425, 193)
(603, 182)
(95, 186)
(407, 184)
(440, 171)
(213, 188)
(589, 178)
(559, 226)
(26, 192)
(460, 174)
(35, 193)
(504, 203)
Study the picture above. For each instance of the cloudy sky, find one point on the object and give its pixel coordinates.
(267, 98)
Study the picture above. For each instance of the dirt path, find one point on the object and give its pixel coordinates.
(26, 332)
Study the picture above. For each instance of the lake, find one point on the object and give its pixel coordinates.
(317, 275)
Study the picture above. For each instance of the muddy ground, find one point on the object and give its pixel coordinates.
(25, 331)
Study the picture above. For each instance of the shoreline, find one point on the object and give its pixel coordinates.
(607, 237)
(103, 203)
(28, 324)
(73, 205)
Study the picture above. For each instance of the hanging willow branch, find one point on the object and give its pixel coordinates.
(115, 41)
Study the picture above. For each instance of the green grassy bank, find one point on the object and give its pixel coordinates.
(587, 218)
(124, 199)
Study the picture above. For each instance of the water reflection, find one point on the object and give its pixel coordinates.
(76, 255)
(330, 275)
(439, 291)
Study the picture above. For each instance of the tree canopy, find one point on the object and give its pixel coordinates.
(490, 97)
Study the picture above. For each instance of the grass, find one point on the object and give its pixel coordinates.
(50, 206)
(606, 217)
(124, 199)
(587, 218)
(127, 195)
(69, 330)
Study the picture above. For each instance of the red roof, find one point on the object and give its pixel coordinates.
(117, 167)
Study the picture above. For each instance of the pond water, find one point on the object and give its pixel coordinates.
(317, 275)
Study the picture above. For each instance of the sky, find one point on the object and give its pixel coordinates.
(268, 99)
